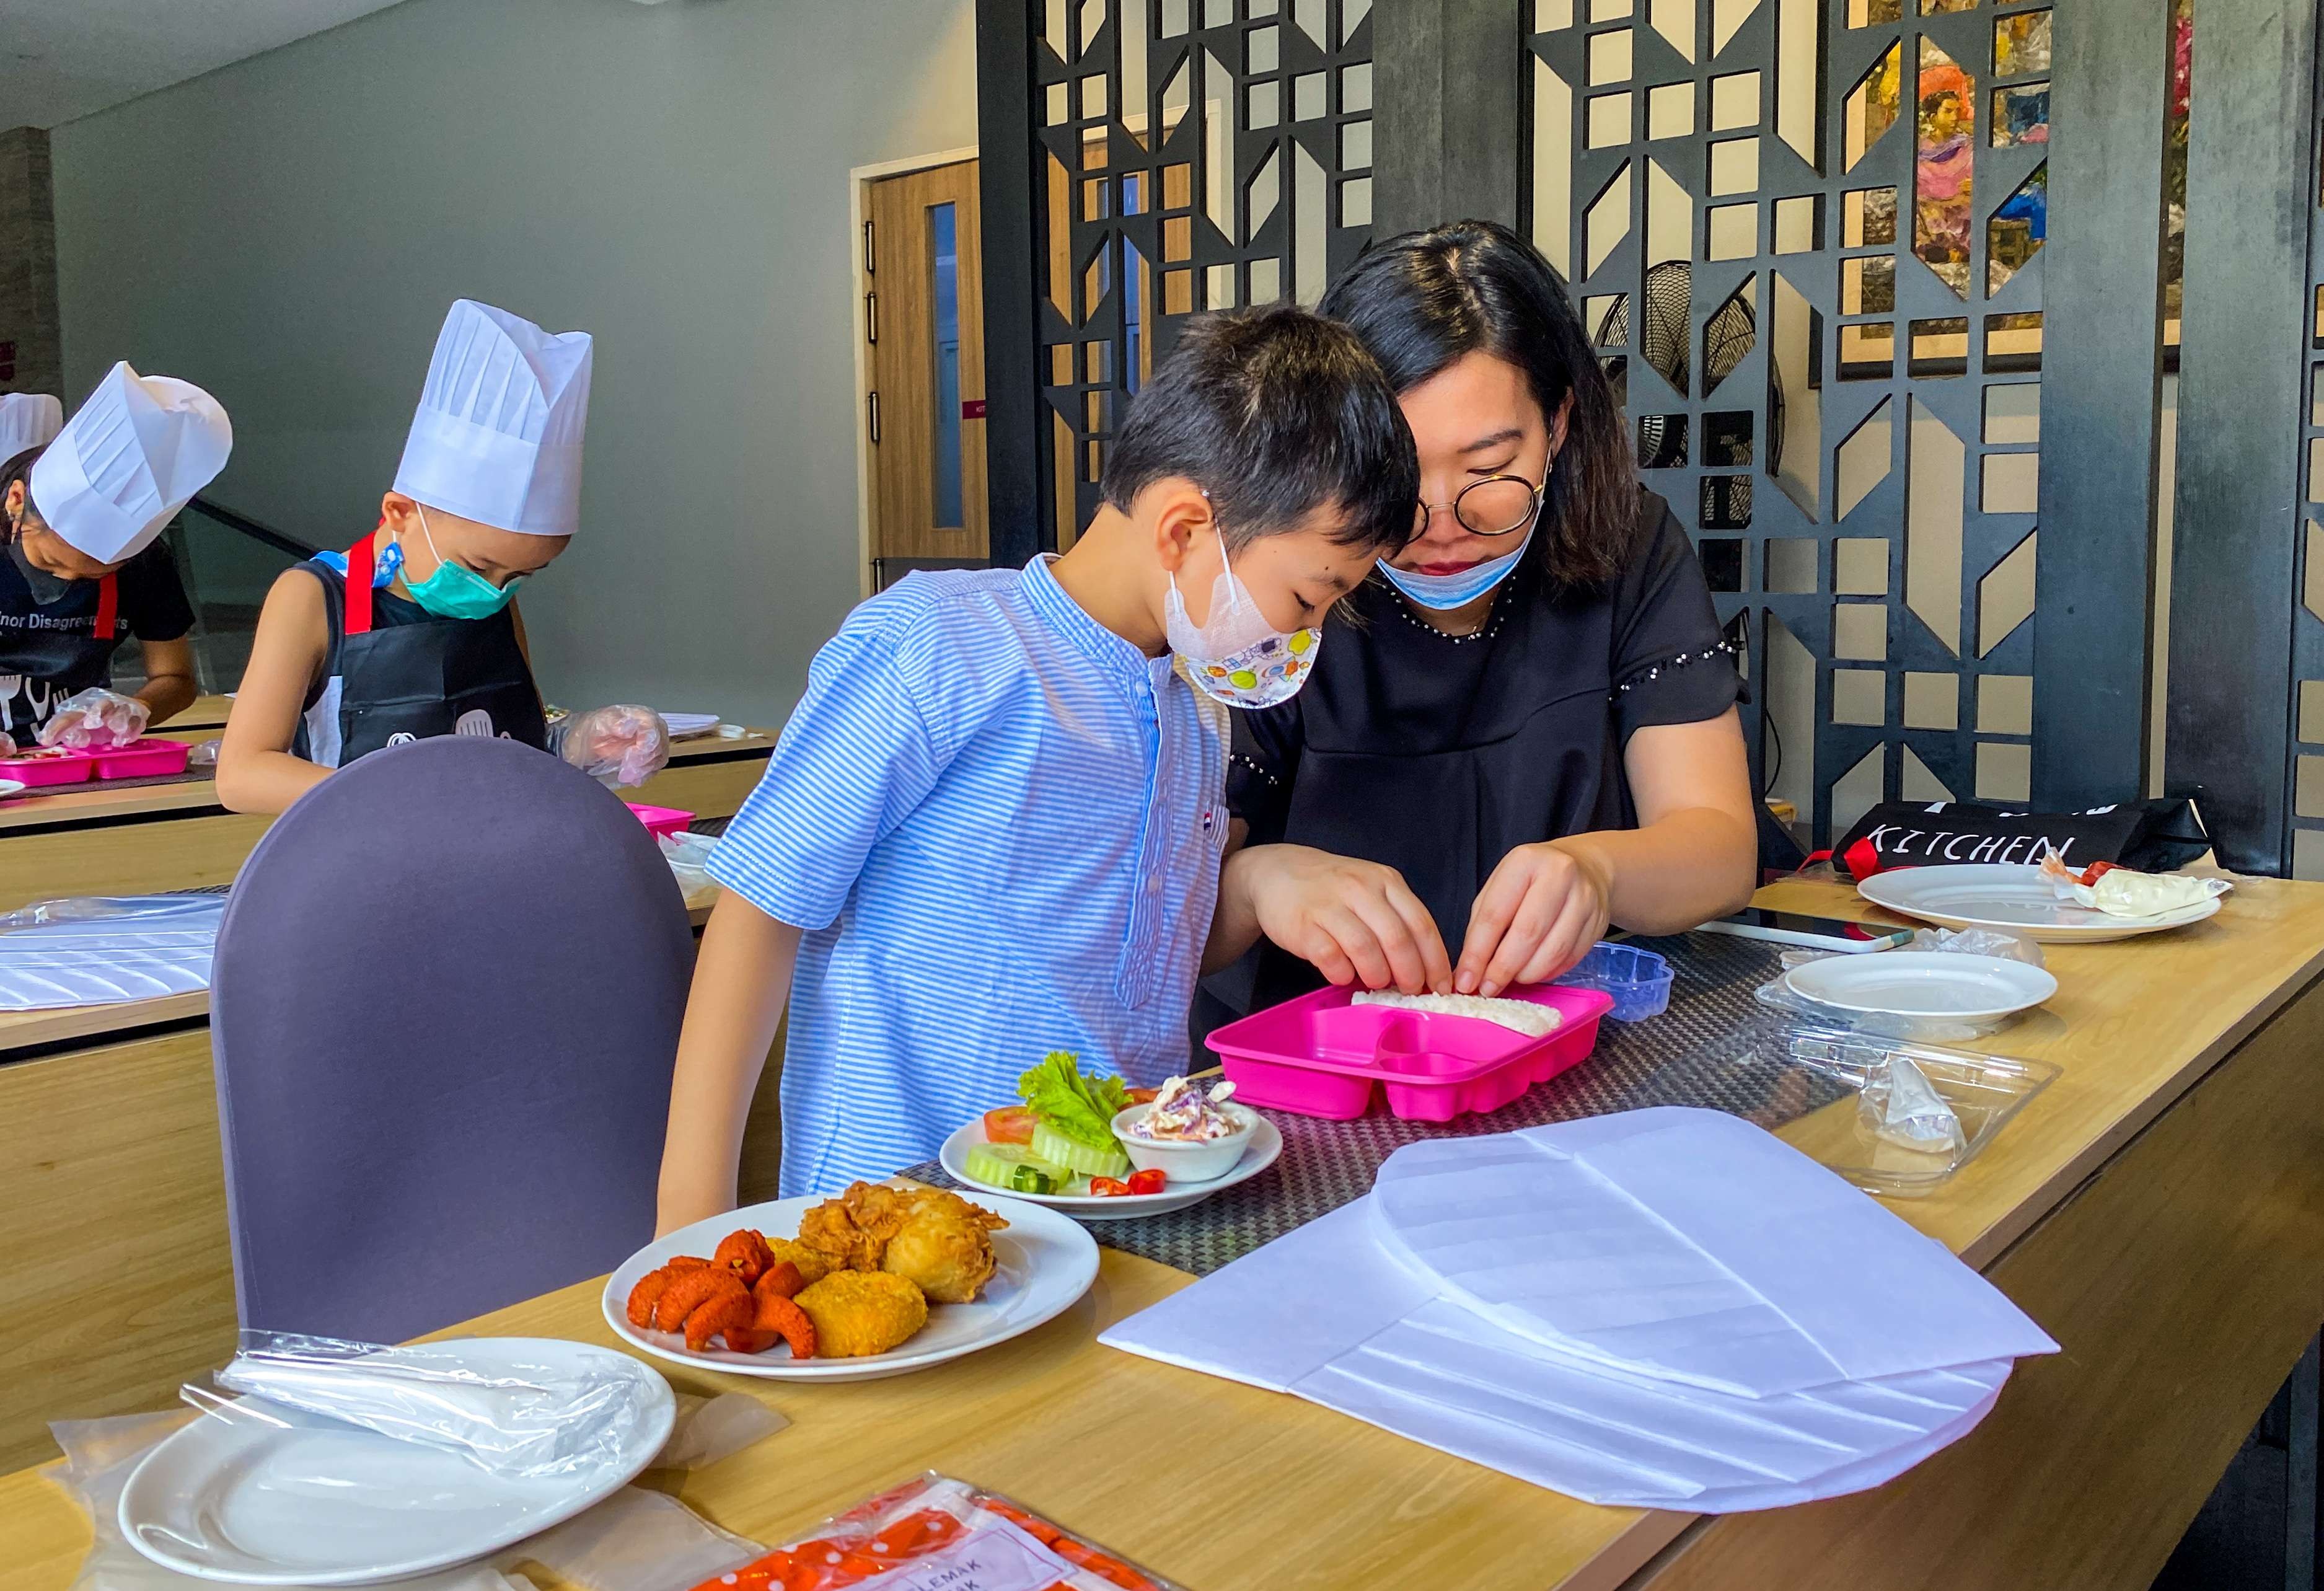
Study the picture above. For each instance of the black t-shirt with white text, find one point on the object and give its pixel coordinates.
(49, 651)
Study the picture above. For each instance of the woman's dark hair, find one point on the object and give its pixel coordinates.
(19, 468)
(1276, 413)
(1424, 300)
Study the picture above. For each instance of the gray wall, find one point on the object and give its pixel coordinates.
(671, 178)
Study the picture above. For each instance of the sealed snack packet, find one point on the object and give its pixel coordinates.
(948, 1533)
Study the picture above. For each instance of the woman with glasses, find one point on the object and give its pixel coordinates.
(1524, 727)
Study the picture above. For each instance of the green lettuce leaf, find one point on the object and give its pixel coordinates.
(1081, 1107)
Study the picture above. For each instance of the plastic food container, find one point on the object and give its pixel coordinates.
(1638, 980)
(661, 821)
(1186, 1160)
(1984, 1091)
(141, 759)
(1320, 1056)
(71, 768)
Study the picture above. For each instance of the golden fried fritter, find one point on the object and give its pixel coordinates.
(852, 1232)
(857, 1313)
(941, 1246)
(813, 1266)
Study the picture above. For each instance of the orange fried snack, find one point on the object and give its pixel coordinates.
(780, 1316)
(727, 1312)
(745, 1254)
(781, 1279)
(858, 1313)
(942, 1246)
(852, 1232)
(642, 1296)
(688, 1291)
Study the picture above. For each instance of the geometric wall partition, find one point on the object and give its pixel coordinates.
(1190, 154)
(1808, 236)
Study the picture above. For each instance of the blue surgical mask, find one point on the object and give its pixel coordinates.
(456, 591)
(1445, 592)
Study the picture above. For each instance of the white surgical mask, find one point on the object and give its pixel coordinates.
(1236, 655)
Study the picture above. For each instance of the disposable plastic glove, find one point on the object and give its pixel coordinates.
(96, 718)
(618, 745)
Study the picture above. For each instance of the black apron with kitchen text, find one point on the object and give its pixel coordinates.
(50, 651)
(412, 676)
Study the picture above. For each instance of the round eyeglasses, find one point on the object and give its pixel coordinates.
(1497, 506)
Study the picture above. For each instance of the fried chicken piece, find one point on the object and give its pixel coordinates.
(851, 1232)
(942, 1247)
(812, 1266)
(858, 1313)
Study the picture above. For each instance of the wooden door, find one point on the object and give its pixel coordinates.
(924, 319)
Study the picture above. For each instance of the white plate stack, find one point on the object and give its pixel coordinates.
(1662, 1309)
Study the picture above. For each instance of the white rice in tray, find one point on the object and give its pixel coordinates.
(1521, 1016)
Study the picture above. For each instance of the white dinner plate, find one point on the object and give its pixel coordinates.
(682, 725)
(1047, 1263)
(317, 1502)
(2016, 899)
(9, 787)
(1923, 983)
(1266, 1146)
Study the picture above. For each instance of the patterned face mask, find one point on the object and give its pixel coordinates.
(1235, 655)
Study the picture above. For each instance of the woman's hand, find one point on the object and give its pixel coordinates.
(1543, 908)
(1357, 921)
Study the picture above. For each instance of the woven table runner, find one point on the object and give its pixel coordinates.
(1707, 1050)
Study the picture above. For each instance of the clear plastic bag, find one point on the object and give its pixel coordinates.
(1777, 994)
(113, 911)
(620, 745)
(938, 1526)
(542, 1421)
(689, 855)
(637, 1539)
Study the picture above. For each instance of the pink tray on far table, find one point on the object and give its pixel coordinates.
(139, 759)
(1320, 1056)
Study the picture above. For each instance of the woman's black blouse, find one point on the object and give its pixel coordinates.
(1439, 755)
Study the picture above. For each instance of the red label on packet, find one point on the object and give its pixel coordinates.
(971, 408)
(997, 1558)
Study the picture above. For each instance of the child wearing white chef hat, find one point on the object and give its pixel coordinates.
(412, 633)
(82, 506)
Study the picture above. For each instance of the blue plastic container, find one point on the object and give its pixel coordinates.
(1638, 980)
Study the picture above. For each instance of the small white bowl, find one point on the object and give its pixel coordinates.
(1204, 1162)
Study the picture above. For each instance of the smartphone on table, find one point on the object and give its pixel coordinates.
(1820, 933)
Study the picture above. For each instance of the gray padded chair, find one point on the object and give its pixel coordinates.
(445, 1009)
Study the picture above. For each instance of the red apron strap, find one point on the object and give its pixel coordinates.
(359, 573)
(108, 606)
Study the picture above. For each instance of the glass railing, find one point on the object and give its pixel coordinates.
(227, 561)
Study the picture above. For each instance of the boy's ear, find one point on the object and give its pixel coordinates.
(397, 511)
(1182, 520)
(14, 503)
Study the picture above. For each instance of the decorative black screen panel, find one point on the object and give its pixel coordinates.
(1807, 234)
(1195, 154)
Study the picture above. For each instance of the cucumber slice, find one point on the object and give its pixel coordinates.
(1058, 1150)
(1014, 1168)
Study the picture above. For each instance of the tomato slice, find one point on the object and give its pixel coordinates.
(1148, 1181)
(1141, 1095)
(1108, 1187)
(1011, 1123)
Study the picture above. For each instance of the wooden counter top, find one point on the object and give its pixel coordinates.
(1222, 1487)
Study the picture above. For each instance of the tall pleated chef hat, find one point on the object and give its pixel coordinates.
(128, 459)
(497, 437)
(28, 421)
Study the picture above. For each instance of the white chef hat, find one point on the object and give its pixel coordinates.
(28, 421)
(497, 437)
(128, 459)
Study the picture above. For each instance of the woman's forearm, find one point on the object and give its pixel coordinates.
(1686, 869)
(264, 781)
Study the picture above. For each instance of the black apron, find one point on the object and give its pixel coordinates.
(49, 657)
(409, 681)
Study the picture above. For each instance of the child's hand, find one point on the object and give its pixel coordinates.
(1355, 921)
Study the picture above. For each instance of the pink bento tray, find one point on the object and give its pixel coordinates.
(139, 759)
(1320, 1056)
(661, 821)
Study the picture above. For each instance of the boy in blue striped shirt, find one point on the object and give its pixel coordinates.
(993, 827)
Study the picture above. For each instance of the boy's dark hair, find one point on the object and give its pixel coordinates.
(1275, 413)
(1423, 301)
(19, 468)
